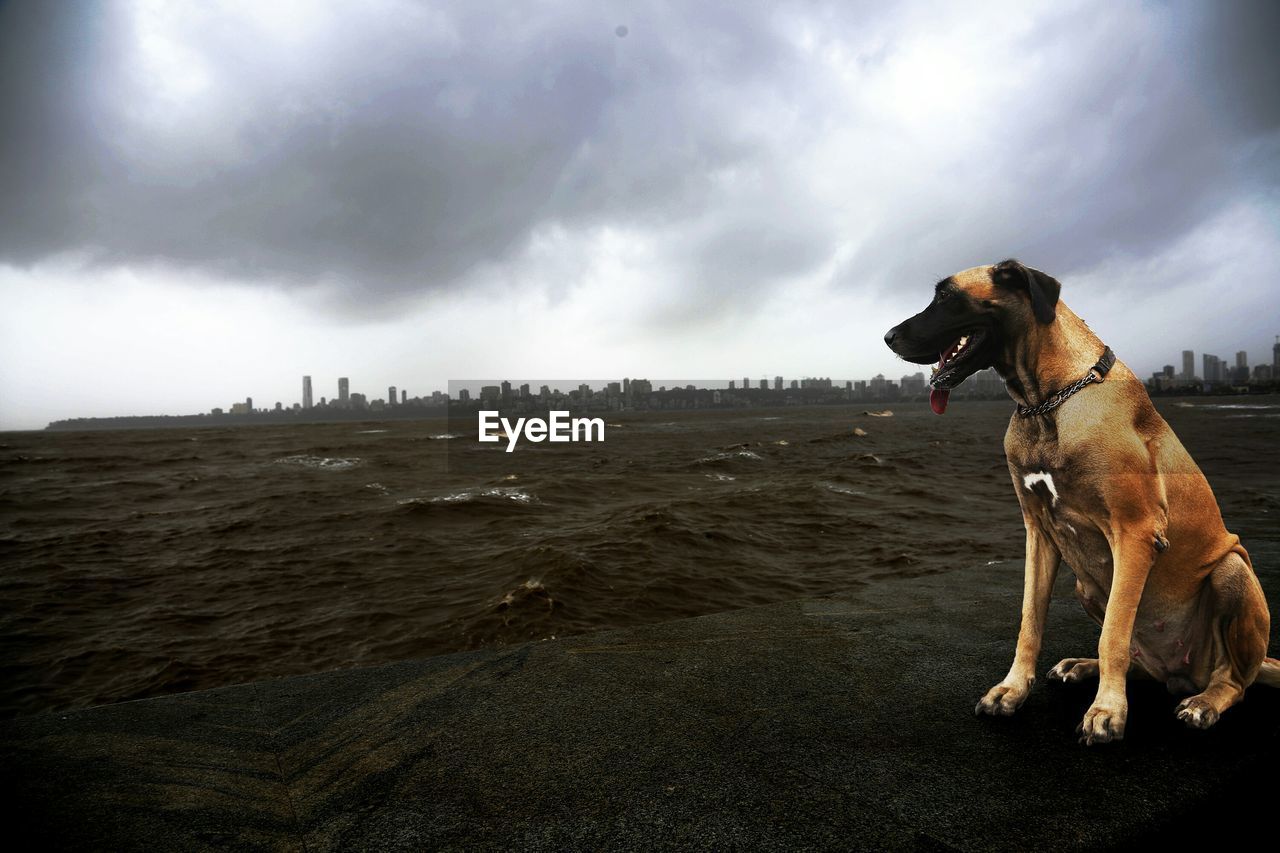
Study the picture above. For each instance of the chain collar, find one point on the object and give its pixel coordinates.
(1095, 374)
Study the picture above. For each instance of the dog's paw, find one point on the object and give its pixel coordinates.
(1197, 712)
(1003, 699)
(1071, 670)
(1103, 723)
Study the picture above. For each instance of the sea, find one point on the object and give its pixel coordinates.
(138, 563)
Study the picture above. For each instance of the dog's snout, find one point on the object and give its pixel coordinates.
(890, 335)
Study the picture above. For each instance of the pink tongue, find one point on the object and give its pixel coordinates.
(938, 400)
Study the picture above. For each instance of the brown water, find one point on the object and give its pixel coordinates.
(137, 563)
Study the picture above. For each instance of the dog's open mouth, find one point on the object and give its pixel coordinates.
(946, 375)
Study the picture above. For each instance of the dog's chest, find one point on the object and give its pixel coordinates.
(1067, 509)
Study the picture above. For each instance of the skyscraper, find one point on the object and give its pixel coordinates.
(777, 383)
(306, 392)
(391, 395)
(344, 392)
(1188, 365)
(1275, 358)
(1211, 367)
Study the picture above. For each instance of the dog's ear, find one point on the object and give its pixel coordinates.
(1042, 288)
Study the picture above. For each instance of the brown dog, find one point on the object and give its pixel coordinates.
(1105, 485)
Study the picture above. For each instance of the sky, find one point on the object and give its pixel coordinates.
(203, 202)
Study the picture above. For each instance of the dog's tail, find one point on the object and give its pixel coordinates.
(1269, 674)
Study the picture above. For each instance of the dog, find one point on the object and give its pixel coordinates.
(1104, 485)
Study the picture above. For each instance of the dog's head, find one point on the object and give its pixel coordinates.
(973, 318)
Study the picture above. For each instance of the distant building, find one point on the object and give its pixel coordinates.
(777, 383)
(746, 383)
(987, 382)
(1188, 365)
(913, 384)
(306, 392)
(344, 392)
(733, 384)
(1212, 368)
(391, 395)
(764, 384)
(404, 396)
(490, 395)
(1275, 358)
(464, 396)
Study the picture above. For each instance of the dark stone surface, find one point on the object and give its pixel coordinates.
(830, 723)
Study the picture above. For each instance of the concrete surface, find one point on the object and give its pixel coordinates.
(833, 723)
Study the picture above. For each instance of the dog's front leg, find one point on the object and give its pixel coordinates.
(1039, 574)
(1132, 557)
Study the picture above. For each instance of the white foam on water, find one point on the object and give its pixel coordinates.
(734, 454)
(324, 463)
(1240, 406)
(508, 492)
(370, 431)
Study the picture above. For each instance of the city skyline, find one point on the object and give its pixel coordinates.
(1265, 371)
(1216, 373)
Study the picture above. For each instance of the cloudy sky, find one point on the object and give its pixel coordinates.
(201, 202)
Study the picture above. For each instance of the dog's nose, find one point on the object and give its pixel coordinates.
(890, 335)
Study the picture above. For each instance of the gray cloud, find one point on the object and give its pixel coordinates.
(397, 154)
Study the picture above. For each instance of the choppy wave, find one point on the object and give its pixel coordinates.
(508, 493)
(731, 454)
(325, 463)
(1239, 406)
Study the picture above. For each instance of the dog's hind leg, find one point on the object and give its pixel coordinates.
(1236, 640)
(1074, 669)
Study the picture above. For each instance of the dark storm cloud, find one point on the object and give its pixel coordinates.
(400, 152)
